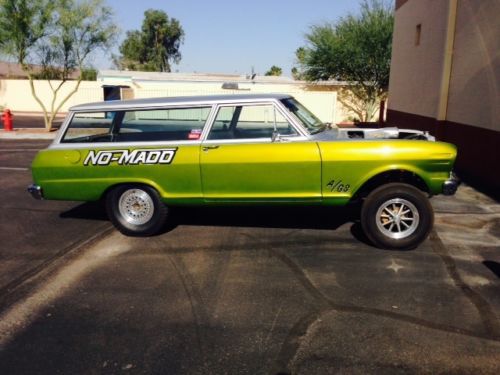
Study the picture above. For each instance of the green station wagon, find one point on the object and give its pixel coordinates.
(143, 156)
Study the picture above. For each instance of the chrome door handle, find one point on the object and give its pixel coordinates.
(206, 148)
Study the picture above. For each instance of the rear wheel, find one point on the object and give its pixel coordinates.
(397, 216)
(136, 210)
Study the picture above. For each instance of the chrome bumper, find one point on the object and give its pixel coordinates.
(450, 186)
(35, 191)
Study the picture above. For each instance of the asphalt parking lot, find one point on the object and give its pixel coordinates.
(242, 291)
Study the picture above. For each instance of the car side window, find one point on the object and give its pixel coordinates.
(172, 124)
(90, 127)
(249, 122)
(176, 124)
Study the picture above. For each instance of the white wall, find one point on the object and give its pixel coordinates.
(322, 103)
(16, 94)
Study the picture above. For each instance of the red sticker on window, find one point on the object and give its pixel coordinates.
(194, 134)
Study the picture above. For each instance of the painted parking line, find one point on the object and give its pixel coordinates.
(13, 169)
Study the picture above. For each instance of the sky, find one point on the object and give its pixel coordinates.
(224, 36)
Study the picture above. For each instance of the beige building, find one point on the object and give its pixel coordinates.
(321, 98)
(445, 78)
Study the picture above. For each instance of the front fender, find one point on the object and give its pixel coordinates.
(348, 165)
(392, 168)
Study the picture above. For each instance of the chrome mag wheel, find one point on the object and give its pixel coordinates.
(397, 218)
(136, 210)
(136, 206)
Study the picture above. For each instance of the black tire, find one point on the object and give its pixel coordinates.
(397, 216)
(136, 210)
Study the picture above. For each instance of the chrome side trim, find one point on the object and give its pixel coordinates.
(254, 140)
(121, 145)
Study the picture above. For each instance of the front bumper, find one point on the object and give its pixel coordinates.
(450, 186)
(35, 191)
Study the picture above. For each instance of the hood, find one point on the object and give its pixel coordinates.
(373, 133)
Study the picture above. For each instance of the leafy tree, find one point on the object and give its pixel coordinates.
(89, 74)
(131, 49)
(297, 72)
(155, 46)
(274, 71)
(357, 50)
(57, 35)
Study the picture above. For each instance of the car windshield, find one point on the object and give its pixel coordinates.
(308, 119)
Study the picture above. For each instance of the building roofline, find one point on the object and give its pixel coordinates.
(140, 76)
(400, 3)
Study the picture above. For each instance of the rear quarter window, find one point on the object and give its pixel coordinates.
(175, 124)
(165, 124)
(89, 127)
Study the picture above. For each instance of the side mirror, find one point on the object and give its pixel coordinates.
(276, 136)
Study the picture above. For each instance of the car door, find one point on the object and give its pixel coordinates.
(253, 153)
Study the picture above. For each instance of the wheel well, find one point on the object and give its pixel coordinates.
(106, 192)
(399, 175)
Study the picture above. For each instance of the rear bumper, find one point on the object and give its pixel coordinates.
(35, 191)
(450, 186)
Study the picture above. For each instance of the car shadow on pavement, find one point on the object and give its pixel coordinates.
(265, 217)
(322, 218)
(86, 211)
(357, 233)
(493, 267)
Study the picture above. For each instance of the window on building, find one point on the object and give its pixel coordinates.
(418, 32)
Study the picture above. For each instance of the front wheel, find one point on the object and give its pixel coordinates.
(397, 216)
(136, 210)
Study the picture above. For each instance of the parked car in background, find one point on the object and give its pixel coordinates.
(143, 156)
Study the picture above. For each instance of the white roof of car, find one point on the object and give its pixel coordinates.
(179, 100)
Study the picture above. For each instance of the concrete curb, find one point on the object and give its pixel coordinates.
(27, 133)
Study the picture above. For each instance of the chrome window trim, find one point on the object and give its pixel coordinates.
(146, 108)
(295, 117)
(58, 144)
(112, 145)
(109, 145)
(301, 135)
(209, 122)
(188, 101)
(62, 129)
(293, 120)
(253, 140)
(215, 102)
